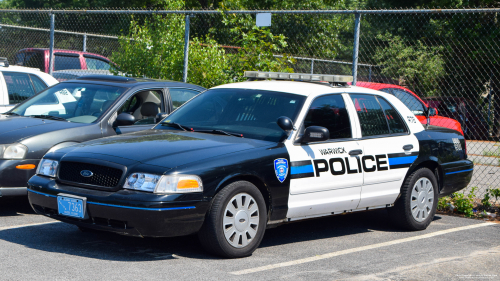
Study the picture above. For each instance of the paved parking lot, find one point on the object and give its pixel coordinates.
(361, 246)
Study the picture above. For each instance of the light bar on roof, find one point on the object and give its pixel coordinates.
(298, 76)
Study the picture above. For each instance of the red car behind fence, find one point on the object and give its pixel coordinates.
(63, 59)
(415, 104)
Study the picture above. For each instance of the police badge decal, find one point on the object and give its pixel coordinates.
(281, 168)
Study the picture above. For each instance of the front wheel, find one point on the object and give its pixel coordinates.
(235, 224)
(416, 207)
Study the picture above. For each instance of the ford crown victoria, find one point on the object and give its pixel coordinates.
(241, 157)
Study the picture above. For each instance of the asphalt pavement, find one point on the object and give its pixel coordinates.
(359, 246)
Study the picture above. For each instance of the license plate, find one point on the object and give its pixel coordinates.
(71, 206)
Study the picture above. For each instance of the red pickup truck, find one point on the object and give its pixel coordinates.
(63, 59)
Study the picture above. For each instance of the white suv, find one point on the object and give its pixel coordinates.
(18, 83)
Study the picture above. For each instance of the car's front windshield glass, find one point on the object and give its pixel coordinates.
(250, 113)
(74, 102)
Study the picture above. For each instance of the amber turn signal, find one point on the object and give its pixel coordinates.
(26, 167)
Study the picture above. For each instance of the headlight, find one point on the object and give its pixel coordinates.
(164, 184)
(179, 184)
(47, 167)
(15, 151)
(143, 182)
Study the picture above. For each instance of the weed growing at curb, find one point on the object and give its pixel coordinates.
(468, 206)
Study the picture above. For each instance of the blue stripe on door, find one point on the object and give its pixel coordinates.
(302, 169)
(402, 160)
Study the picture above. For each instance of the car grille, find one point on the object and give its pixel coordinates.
(102, 175)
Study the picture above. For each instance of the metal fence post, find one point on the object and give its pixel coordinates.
(312, 66)
(85, 42)
(186, 49)
(355, 49)
(51, 48)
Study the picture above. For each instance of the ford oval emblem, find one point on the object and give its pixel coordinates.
(86, 173)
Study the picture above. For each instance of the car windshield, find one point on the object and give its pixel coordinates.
(240, 112)
(74, 102)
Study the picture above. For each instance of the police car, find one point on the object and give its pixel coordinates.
(242, 157)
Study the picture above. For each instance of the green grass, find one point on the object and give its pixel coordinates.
(492, 153)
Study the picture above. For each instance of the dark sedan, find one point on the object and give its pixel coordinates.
(79, 110)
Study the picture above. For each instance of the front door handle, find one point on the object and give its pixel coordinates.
(408, 147)
(355, 152)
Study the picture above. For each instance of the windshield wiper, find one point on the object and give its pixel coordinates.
(11, 113)
(220, 132)
(49, 117)
(172, 124)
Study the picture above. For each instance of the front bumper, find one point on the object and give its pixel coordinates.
(125, 212)
(13, 181)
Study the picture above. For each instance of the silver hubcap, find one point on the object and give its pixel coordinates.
(241, 220)
(422, 199)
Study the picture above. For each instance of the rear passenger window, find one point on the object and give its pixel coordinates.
(62, 62)
(19, 86)
(396, 124)
(37, 83)
(330, 112)
(371, 116)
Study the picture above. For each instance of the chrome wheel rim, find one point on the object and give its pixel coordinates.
(241, 220)
(422, 199)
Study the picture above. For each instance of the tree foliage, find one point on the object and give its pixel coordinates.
(421, 66)
(154, 48)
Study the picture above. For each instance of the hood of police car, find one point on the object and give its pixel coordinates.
(163, 148)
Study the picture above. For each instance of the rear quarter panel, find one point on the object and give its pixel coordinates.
(446, 148)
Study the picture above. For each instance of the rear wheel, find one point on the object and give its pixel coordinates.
(416, 207)
(235, 224)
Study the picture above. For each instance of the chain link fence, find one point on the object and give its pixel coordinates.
(443, 60)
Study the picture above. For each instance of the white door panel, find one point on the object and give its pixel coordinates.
(385, 162)
(324, 178)
(317, 203)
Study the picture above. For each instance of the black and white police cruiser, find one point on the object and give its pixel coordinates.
(245, 156)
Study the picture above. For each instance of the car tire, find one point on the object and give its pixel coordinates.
(236, 221)
(416, 207)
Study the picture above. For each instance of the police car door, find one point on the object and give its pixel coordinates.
(324, 177)
(389, 149)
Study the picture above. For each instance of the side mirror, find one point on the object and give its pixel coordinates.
(433, 111)
(124, 119)
(315, 134)
(160, 116)
(285, 123)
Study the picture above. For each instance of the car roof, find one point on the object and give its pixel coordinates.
(120, 81)
(83, 72)
(16, 68)
(298, 87)
(379, 86)
(62, 51)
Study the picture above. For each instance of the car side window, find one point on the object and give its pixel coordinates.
(330, 112)
(130, 105)
(34, 59)
(181, 95)
(410, 101)
(387, 90)
(144, 106)
(37, 83)
(95, 63)
(396, 124)
(371, 115)
(19, 86)
(62, 62)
